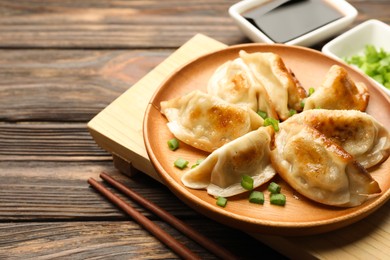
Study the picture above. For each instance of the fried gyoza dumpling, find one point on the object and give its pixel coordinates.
(234, 82)
(207, 122)
(221, 172)
(319, 169)
(358, 133)
(339, 91)
(283, 89)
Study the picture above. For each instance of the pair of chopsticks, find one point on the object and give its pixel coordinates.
(154, 229)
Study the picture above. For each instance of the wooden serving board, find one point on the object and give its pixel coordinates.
(118, 129)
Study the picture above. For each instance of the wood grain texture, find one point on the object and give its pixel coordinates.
(48, 142)
(67, 85)
(61, 63)
(49, 211)
(113, 24)
(39, 190)
(129, 24)
(112, 240)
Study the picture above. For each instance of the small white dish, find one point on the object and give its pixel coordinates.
(353, 42)
(347, 11)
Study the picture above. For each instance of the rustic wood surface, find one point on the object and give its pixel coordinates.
(61, 63)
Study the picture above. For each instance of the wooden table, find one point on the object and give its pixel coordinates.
(61, 63)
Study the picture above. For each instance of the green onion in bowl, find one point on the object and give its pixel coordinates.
(374, 62)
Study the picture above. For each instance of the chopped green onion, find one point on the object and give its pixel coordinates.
(197, 163)
(247, 182)
(256, 197)
(311, 91)
(303, 103)
(181, 163)
(263, 114)
(173, 144)
(274, 187)
(292, 112)
(272, 122)
(278, 199)
(373, 62)
(221, 201)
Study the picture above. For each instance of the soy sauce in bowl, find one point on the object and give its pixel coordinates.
(285, 20)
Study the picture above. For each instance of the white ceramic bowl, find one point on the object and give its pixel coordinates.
(353, 42)
(307, 39)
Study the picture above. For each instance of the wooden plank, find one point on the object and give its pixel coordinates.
(67, 85)
(114, 240)
(129, 24)
(372, 9)
(48, 210)
(48, 142)
(78, 240)
(118, 24)
(58, 190)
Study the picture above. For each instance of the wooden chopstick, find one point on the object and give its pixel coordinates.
(170, 219)
(159, 233)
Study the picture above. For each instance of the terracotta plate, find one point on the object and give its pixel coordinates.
(299, 216)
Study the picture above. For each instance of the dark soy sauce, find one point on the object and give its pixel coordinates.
(285, 20)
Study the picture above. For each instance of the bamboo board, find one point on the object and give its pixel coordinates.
(118, 129)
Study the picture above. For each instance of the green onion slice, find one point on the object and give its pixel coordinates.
(197, 163)
(256, 197)
(278, 199)
(247, 182)
(263, 114)
(303, 103)
(173, 144)
(292, 112)
(375, 62)
(272, 122)
(311, 91)
(221, 201)
(274, 187)
(181, 163)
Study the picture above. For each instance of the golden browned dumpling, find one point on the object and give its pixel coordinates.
(319, 169)
(221, 172)
(207, 122)
(282, 87)
(339, 91)
(358, 133)
(234, 82)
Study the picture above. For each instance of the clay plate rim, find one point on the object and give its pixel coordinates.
(310, 67)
